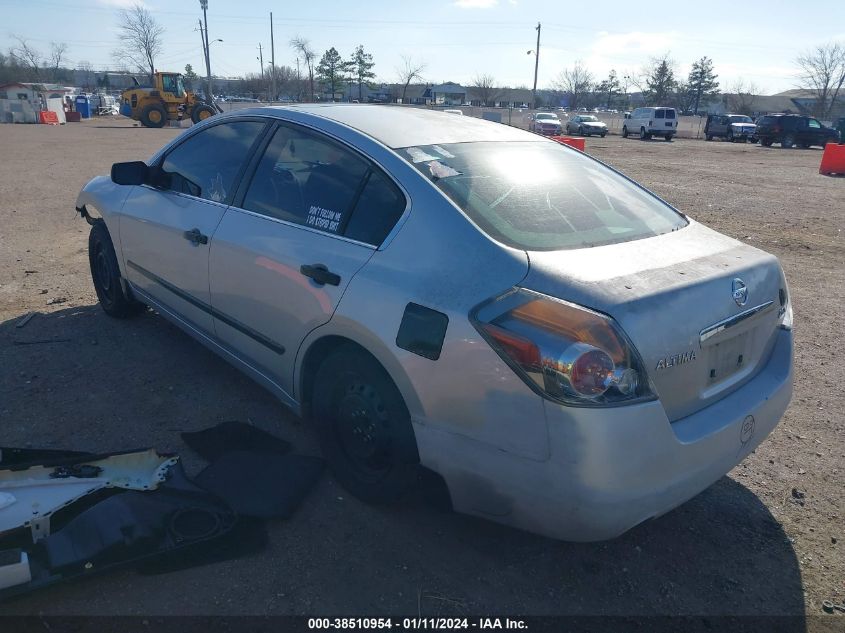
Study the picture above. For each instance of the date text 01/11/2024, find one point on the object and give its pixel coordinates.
(416, 624)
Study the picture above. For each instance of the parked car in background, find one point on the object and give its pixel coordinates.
(731, 127)
(792, 130)
(572, 355)
(648, 122)
(839, 124)
(545, 123)
(586, 125)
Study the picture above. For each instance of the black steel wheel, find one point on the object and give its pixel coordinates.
(364, 426)
(105, 274)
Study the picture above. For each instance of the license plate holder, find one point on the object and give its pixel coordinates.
(728, 357)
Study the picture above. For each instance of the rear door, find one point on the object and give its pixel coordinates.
(166, 228)
(305, 221)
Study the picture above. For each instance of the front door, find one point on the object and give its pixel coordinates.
(311, 217)
(166, 227)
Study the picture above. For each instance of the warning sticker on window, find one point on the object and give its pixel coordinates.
(323, 219)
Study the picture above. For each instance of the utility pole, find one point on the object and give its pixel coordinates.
(272, 62)
(210, 94)
(536, 65)
(261, 60)
(204, 48)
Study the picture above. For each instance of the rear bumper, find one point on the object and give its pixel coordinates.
(611, 469)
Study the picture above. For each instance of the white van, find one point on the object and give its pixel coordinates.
(648, 122)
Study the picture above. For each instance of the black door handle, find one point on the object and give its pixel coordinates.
(320, 273)
(194, 236)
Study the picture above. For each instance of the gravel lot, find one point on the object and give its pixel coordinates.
(744, 546)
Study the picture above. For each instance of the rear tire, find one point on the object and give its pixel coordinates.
(708, 137)
(154, 115)
(105, 273)
(624, 132)
(364, 426)
(201, 112)
(668, 137)
(766, 143)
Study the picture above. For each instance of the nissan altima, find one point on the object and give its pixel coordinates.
(568, 352)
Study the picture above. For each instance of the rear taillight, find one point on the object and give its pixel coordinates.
(565, 352)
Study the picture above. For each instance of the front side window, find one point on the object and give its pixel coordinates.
(540, 196)
(207, 164)
(814, 124)
(306, 179)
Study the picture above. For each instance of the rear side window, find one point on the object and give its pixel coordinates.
(541, 196)
(306, 179)
(379, 207)
(207, 164)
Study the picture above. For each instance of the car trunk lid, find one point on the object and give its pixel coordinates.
(674, 295)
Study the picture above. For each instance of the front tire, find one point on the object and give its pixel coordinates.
(624, 132)
(788, 141)
(364, 426)
(201, 112)
(105, 274)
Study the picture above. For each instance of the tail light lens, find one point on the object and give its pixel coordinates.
(565, 352)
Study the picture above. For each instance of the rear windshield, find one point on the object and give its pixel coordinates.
(542, 196)
(664, 114)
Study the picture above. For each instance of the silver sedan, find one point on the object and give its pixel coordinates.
(569, 353)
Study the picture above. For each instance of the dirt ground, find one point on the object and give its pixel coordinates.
(745, 546)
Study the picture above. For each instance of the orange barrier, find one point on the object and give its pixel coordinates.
(576, 142)
(833, 160)
(48, 117)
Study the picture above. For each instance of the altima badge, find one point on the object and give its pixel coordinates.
(740, 292)
(677, 359)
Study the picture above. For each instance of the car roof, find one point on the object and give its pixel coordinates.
(398, 126)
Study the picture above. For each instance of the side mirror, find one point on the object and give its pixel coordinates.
(135, 172)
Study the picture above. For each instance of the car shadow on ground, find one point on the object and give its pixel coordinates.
(79, 380)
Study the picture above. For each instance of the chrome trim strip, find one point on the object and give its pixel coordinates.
(721, 326)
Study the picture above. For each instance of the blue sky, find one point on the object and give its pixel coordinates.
(457, 39)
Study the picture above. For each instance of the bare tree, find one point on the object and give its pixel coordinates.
(408, 71)
(741, 96)
(141, 38)
(57, 54)
(484, 87)
(303, 47)
(28, 56)
(822, 72)
(575, 83)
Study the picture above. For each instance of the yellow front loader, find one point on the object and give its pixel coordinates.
(167, 100)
